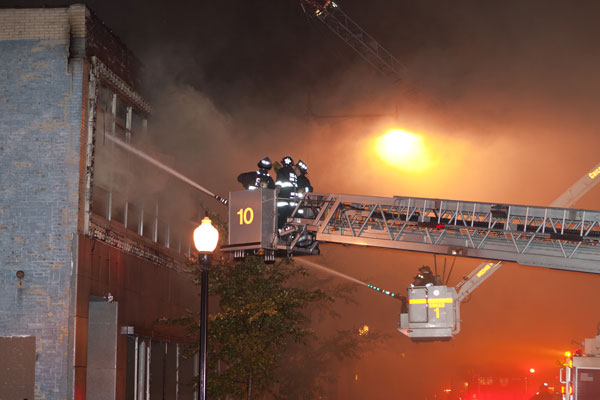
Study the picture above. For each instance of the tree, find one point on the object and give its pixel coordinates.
(259, 313)
(263, 317)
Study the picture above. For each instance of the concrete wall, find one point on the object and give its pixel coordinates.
(40, 128)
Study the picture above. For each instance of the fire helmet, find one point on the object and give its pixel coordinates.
(302, 166)
(287, 161)
(425, 269)
(264, 163)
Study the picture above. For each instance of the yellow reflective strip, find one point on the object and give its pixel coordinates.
(484, 270)
(441, 300)
(432, 302)
(439, 303)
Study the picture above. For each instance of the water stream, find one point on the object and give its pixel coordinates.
(328, 270)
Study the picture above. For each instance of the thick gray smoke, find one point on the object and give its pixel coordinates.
(504, 94)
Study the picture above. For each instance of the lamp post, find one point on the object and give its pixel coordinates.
(205, 240)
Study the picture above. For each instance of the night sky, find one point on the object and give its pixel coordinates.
(505, 95)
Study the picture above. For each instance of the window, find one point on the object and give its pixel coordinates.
(121, 190)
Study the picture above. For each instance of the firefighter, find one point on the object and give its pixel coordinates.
(424, 278)
(258, 179)
(304, 185)
(287, 183)
(264, 179)
(247, 179)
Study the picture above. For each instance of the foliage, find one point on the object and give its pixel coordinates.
(260, 338)
(259, 313)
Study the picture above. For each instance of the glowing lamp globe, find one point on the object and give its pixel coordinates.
(206, 236)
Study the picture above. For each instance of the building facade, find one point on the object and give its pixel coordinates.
(89, 258)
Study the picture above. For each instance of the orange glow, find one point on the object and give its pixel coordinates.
(532, 370)
(567, 354)
(364, 330)
(403, 150)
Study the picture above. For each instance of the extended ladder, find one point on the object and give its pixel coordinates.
(560, 238)
(330, 14)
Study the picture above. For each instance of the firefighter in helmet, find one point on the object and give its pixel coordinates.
(258, 179)
(304, 185)
(424, 278)
(263, 179)
(287, 183)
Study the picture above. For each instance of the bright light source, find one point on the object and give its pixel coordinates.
(403, 150)
(364, 330)
(532, 370)
(567, 354)
(206, 236)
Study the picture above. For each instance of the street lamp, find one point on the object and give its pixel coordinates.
(205, 240)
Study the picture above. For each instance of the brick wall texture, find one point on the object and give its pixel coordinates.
(46, 23)
(40, 134)
(45, 58)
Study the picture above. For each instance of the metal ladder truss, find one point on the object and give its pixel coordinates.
(330, 14)
(560, 238)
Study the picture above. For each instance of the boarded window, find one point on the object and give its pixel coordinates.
(17, 369)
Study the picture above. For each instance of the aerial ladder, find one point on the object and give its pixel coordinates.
(578, 189)
(552, 237)
(331, 15)
(433, 313)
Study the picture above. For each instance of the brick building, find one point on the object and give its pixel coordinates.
(89, 256)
